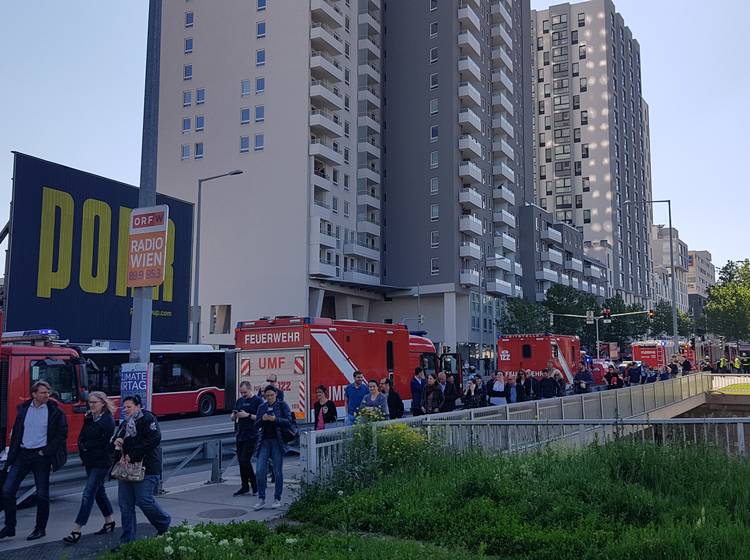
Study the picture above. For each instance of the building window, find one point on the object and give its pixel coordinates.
(433, 55)
(245, 88)
(434, 212)
(245, 115)
(573, 37)
(433, 29)
(543, 203)
(434, 159)
(347, 76)
(433, 106)
(260, 113)
(188, 45)
(434, 266)
(244, 144)
(346, 208)
(200, 96)
(187, 98)
(545, 26)
(347, 49)
(185, 151)
(185, 125)
(433, 81)
(548, 153)
(575, 69)
(542, 171)
(200, 123)
(261, 5)
(586, 184)
(347, 128)
(579, 201)
(433, 5)
(582, 52)
(540, 43)
(347, 102)
(260, 29)
(587, 216)
(584, 117)
(540, 107)
(260, 85)
(581, 19)
(547, 123)
(187, 72)
(576, 102)
(584, 150)
(260, 142)
(584, 84)
(434, 133)
(578, 168)
(199, 150)
(548, 188)
(346, 182)
(335, 205)
(545, 57)
(347, 24)
(540, 75)
(434, 239)
(189, 19)
(221, 319)
(434, 185)
(541, 140)
(576, 135)
(346, 155)
(260, 57)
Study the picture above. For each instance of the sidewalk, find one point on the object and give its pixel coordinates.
(188, 499)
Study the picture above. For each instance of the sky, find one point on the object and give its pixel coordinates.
(73, 75)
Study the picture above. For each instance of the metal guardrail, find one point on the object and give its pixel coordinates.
(322, 450)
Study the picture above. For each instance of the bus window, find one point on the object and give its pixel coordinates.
(61, 375)
(526, 351)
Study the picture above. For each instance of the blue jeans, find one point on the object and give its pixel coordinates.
(349, 420)
(270, 448)
(28, 461)
(94, 491)
(141, 494)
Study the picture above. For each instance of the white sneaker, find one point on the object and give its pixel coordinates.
(260, 505)
(276, 504)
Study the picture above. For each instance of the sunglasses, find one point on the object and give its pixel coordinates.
(270, 381)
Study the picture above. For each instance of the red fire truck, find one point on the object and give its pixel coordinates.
(654, 353)
(307, 352)
(535, 352)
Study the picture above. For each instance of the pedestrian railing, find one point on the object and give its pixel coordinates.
(321, 451)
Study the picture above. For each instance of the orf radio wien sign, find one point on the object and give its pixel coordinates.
(147, 246)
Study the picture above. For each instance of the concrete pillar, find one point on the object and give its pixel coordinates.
(449, 319)
(316, 302)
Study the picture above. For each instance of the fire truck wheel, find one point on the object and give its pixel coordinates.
(206, 405)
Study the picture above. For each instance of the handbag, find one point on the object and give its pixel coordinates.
(128, 472)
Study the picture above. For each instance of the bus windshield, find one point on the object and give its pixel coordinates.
(61, 375)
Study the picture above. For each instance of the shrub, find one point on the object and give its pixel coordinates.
(399, 445)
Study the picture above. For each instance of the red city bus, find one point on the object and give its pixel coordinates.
(188, 378)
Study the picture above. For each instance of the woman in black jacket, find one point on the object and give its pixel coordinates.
(93, 448)
(432, 397)
(325, 410)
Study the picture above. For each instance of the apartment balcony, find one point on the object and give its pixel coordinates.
(499, 9)
(517, 291)
(467, 41)
(505, 241)
(320, 180)
(469, 70)
(504, 193)
(369, 45)
(519, 269)
(373, 25)
(325, 122)
(469, 198)
(551, 234)
(585, 286)
(498, 32)
(469, 17)
(323, 94)
(362, 250)
(469, 120)
(500, 287)
(370, 121)
(504, 147)
(469, 278)
(500, 54)
(504, 171)
(500, 263)
(324, 67)
(553, 256)
(324, 11)
(501, 100)
(370, 95)
(502, 122)
(575, 283)
(469, 146)
(476, 3)
(319, 268)
(592, 271)
(564, 279)
(602, 291)
(367, 197)
(547, 275)
(324, 150)
(321, 209)
(502, 77)
(470, 172)
(370, 147)
(322, 238)
(469, 94)
(370, 175)
(470, 250)
(574, 264)
(370, 72)
(470, 225)
(504, 217)
(361, 276)
(368, 226)
(325, 38)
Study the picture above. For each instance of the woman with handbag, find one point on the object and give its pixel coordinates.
(138, 468)
(275, 428)
(93, 449)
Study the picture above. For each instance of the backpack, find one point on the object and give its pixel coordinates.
(289, 434)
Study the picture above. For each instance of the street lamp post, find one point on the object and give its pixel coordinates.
(196, 309)
(675, 333)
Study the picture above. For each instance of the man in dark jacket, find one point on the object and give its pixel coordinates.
(395, 404)
(273, 417)
(417, 388)
(583, 380)
(244, 417)
(450, 393)
(37, 445)
(548, 386)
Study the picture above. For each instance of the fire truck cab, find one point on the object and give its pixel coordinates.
(537, 351)
(305, 352)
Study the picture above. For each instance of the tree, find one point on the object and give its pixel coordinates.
(728, 306)
(624, 330)
(522, 316)
(569, 301)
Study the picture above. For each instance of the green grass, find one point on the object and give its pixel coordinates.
(615, 502)
(735, 389)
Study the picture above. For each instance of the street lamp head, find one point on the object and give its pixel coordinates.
(627, 202)
(236, 172)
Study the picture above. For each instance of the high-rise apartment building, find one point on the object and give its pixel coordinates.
(457, 124)
(592, 160)
(663, 274)
(701, 275)
(289, 92)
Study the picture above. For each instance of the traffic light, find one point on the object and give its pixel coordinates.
(551, 319)
(651, 314)
(692, 343)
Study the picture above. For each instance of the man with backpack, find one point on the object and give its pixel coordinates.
(276, 427)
